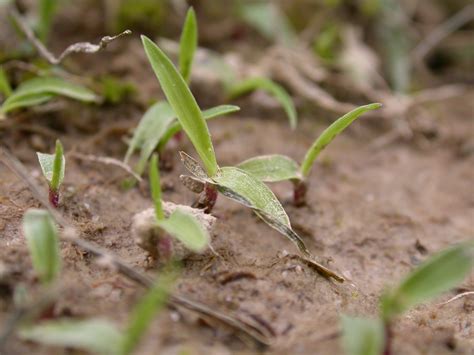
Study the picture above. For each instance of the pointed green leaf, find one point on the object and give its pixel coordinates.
(187, 229)
(188, 44)
(144, 312)
(183, 103)
(38, 90)
(362, 336)
(271, 168)
(330, 133)
(53, 166)
(43, 243)
(94, 335)
(438, 274)
(277, 91)
(208, 114)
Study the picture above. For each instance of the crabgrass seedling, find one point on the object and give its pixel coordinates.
(53, 167)
(272, 168)
(232, 182)
(39, 90)
(43, 243)
(438, 274)
(101, 336)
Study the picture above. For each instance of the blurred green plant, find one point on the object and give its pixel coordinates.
(43, 244)
(278, 92)
(5, 88)
(144, 15)
(100, 336)
(47, 10)
(115, 90)
(39, 90)
(273, 168)
(438, 274)
(53, 167)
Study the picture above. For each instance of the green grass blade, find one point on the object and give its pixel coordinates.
(41, 89)
(330, 133)
(277, 91)
(183, 103)
(47, 8)
(271, 168)
(43, 243)
(155, 186)
(144, 312)
(188, 44)
(57, 86)
(438, 274)
(208, 114)
(14, 102)
(362, 336)
(52, 168)
(150, 129)
(94, 335)
(59, 166)
(187, 229)
(5, 87)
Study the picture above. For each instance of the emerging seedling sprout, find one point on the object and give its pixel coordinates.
(53, 167)
(436, 275)
(43, 243)
(232, 182)
(272, 168)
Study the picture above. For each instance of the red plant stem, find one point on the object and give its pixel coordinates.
(207, 199)
(300, 187)
(54, 197)
(388, 339)
(178, 137)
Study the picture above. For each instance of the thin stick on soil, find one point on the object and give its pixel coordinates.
(458, 296)
(70, 234)
(81, 47)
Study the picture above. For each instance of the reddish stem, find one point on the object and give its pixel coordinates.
(207, 199)
(178, 137)
(54, 198)
(388, 339)
(300, 188)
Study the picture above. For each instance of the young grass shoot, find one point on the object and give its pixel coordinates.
(273, 168)
(53, 167)
(438, 274)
